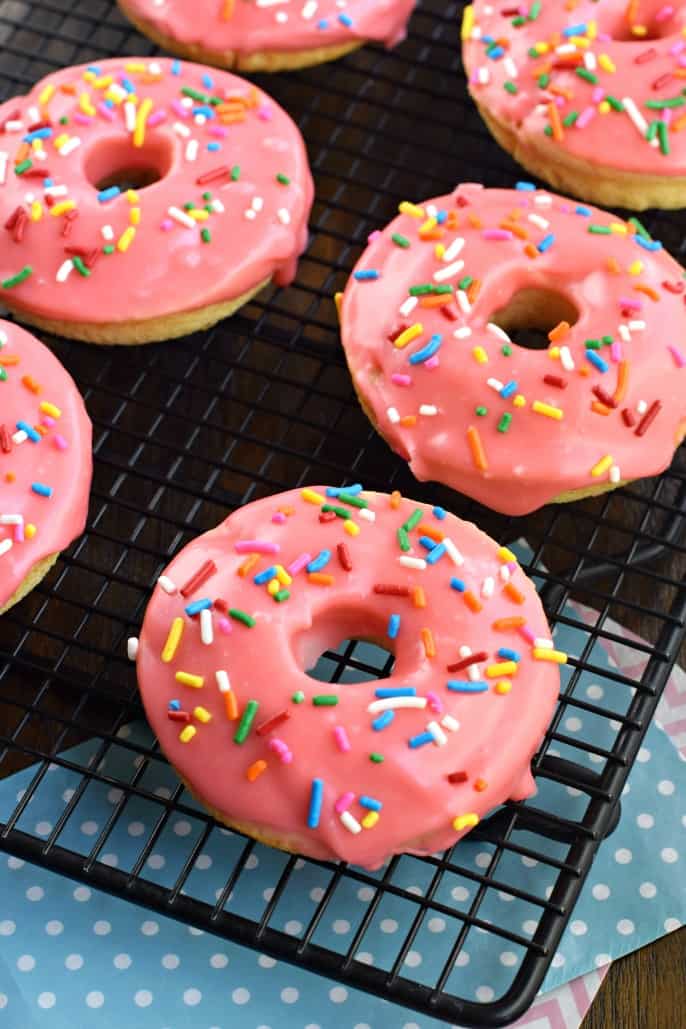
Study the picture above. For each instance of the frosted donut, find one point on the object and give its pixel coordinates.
(268, 37)
(424, 324)
(218, 205)
(588, 96)
(45, 462)
(353, 772)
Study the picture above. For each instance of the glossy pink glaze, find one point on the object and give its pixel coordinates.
(61, 460)
(537, 458)
(497, 735)
(641, 68)
(290, 25)
(167, 268)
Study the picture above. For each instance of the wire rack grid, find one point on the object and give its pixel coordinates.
(187, 431)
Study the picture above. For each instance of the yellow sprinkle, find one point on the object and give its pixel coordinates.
(173, 640)
(126, 239)
(480, 355)
(639, 30)
(541, 47)
(132, 196)
(141, 118)
(370, 819)
(408, 334)
(58, 209)
(467, 22)
(197, 215)
(439, 250)
(36, 211)
(502, 687)
(273, 587)
(61, 140)
(312, 497)
(636, 267)
(135, 66)
(505, 555)
(115, 96)
(604, 107)
(50, 409)
(519, 400)
(30, 530)
(413, 210)
(202, 714)
(591, 29)
(465, 821)
(553, 352)
(548, 410)
(580, 42)
(337, 298)
(428, 225)
(602, 466)
(103, 82)
(619, 228)
(135, 215)
(37, 144)
(558, 657)
(501, 668)
(89, 76)
(186, 679)
(283, 576)
(351, 527)
(606, 63)
(46, 94)
(86, 105)
(187, 733)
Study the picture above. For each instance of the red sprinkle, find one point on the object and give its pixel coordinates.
(628, 417)
(389, 590)
(211, 176)
(673, 287)
(271, 723)
(662, 80)
(12, 220)
(178, 716)
(449, 312)
(457, 777)
(344, 557)
(220, 605)
(5, 439)
(396, 332)
(327, 516)
(202, 575)
(471, 659)
(604, 397)
(648, 418)
(647, 55)
(555, 380)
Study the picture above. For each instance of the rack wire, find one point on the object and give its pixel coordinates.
(187, 431)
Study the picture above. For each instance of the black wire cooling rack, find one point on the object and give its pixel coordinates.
(187, 431)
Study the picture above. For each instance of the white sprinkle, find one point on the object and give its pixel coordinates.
(187, 102)
(132, 648)
(5, 545)
(452, 552)
(431, 210)
(284, 216)
(590, 60)
(473, 671)
(495, 384)
(510, 68)
(180, 129)
(448, 271)
(70, 146)
(412, 562)
(19, 437)
(393, 416)
(130, 115)
(217, 206)
(309, 10)
(250, 214)
(641, 407)
(257, 203)
(154, 68)
(14, 126)
(117, 92)
(488, 586)
(390, 703)
(107, 232)
(33, 115)
(463, 333)
(192, 149)
(483, 76)
(409, 305)
(566, 359)
(539, 221)
(495, 330)
(200, 119)
(625, 333)
(350, 822)
(450, 723)
(65, 270)
(428, 410)
(615, 474)
(56, 191)
(637, 119)
(367, 515)
(452, 251)
(637, 326)
(165, 583)
(206, 630)
(181, 217)
(504, 573)
(11, 519)
(463, 301)
(222, 680)
(543, 199)
(543, 644)
(439, 737)
(4, 156)
(565, 48)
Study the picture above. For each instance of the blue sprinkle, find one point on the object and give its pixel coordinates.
(366, 275)
(395, 691)
(204, 109)
(214, 146)
(95, 68)
(575, 30)
(47, 183)
(316, 798)
(466, 686)
(371, 803)
(174, 705)
(427, 542)
(41, 489)
(346, 20)
(334, 491)
(648, 244)
(525, 187)
(108, 194)
(323, 24)
(495, 53)
(196, 606)
(585, 212)
(109, 103)
(436, 554)
(384, 719)
(458, 584)
(207, 81)
(265, 576)
(488, 39)
(427, 351)
(420, 740)
(595, 358)
(511, 655)
(441, 217)
(546, 243)
(393, 626)
(176, 68)
(34, 436)
(508, 389)
(320, 561)
(44, 133)
(439, 512)
(128, 85)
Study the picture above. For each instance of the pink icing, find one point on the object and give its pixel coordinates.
(644, 69)
(497, 732)
(257, 228)
(60, 461)
(291, 25)
(541, 456)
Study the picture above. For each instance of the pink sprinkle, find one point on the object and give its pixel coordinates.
(679, 358)
(527, 633)
(435, 702)
(498, 234)
(256, 547)
(221, 131)
(19, 532)
(60, 442)
(178, 108)
(616, 351)
(47, 421)
(82, 119)
(225, 625)
(585, 117)
(433, 362)
(278, 518)
(156, 118)
(630, 303)
(167, 225)
(281, 750)
(297, 566)
(373, 235)
(265, 113)
(597, 94)
(106, 112)
(344, 802)
(341, 737)
(664, 13)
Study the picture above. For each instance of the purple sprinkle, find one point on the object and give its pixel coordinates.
(256, 547)
(265, 113)
(82, 119)
(604, 37)
(497, 234)
(47, 421)
(19, 532)
(679, 358)
(225, 625)
(435, 702)
(527, 633)
(156, 118)
(178, 108)
(60, 442)
(616, 351)
(344, 802)
(219, 130)
(664, 13)
(677, 47)
(433, 362)
(167, 225)
(401, 380)
(279, 518)
(597, 94)
(106, 112)
(585, 117)
(373, 235)
(297, 566)
(630, 303)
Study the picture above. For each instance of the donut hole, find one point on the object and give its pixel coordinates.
(345, 645)
(651, 20)
(116, 162)
(531, 313)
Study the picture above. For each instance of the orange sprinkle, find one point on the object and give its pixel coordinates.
(474, 220)
(453, 220)
(473, 290)
(428, 642)
(68, 88)
(613, 266)
(429, 530)
(530, 250)
(9, 359)
(230, 706)
(436, 301)
(10, 476)
(584, 372)
(432, 234)
(23, 151)
(631, 12)
(256, 769)
(472, 601)
(42, 430)
(320, 578)
(229, 119)
(679, 124)
(561, 91)
(477, 449)
(396, 498)
(30, 384)
(622, 382)
(515, 214)
(418, 596)
(560, 332)
(513, 593)
(480, 785)
(288, 511)
(249, 563)
(408, 420)
(647, 291)
(555, 123)
(599, 408)
(509, 623)
(227, 10)
(517, 230)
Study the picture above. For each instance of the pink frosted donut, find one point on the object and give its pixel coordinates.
(45, 462)
(353, 772)
(424, 323)
(589, 96)
(222, 193)
(268, 36)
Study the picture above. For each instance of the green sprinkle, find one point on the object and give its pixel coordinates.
(584, 73)
(352, 501)
(535, 10)
(570, 119)
(592, 344)
(651, 131)
(600, 230)
(414, 520)
(208, 208)
(189, 205)
(400, 241)
(325, 700)
(245, 724)
(607, 341)
(518, 22)
(657, 105)
(215, 101)
(3, 375)
(640, 229)
(194, 94)
(16, 280)
(504, 423)
(242, 616)
(207, 197)
(80, 267)
(614, 103)
(548, 130)
(664, 137)
(418, 291)
(341, 512)
(543, 81)
(64, 120)
(403, 539)
(283, 179)
(447, 288)
(506, 350)
(23, 166)
(298, 697)
(281, 596)
(206, 236)
(235, 173)
(465, 283)
(511, 88)
(376, 757)
(481, 410)
(108, 249)
(533, 52)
